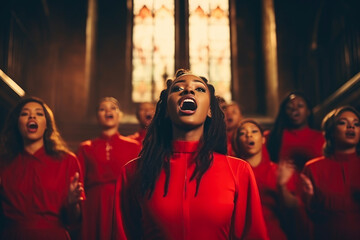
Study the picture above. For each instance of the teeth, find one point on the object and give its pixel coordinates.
(188, 104)
(189, 100)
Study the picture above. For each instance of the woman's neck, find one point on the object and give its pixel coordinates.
(255, 160)
(188, 135)
(109, 131)
(32, 146)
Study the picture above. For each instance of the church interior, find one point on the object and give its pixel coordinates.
(73, 53)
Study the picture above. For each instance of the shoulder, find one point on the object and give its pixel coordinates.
(315, 162)
(134, 136)
(69, 156)
(236, 165)
(87, 143)
(129, 141)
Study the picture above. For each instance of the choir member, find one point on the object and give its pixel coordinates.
(233, 116)
(40, 187)
(247, 142)
(291, 143)
(101, 160)
(292, 137)
(183, 186)
(144, 114)
(332, 186)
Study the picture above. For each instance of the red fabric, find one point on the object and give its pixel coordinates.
(265, 175)
(227, 205)
(335, 206)
(139, 136)
(301, 145)
(230, 150)
(33, 193)
(102, 160)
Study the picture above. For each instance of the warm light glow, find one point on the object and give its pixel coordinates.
(153, 48)
(209, 36)
(19, 91)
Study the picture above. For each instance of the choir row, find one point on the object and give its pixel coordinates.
(196, 169)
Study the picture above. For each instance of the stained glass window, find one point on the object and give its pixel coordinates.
(209, 43)
(153, 47)
(154, 41)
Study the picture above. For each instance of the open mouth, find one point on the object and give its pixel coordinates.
(32, 126)
(350, 134)
(109, 116)
(251, 143)
(229, 120)
(188, 105)
(295, 115)
(148, 117)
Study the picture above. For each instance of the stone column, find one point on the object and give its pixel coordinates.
(270, 57)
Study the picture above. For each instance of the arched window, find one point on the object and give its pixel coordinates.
(153, 53)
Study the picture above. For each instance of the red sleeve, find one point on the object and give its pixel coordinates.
(247, 203)
(73, 220)
(81, 159)
(127, 210)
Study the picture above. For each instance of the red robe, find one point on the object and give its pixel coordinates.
(335, 206)
(101, 160)
(139, 136)
(33, 196)
(301, 145)
(230, 150)
(227, 205)
(265, 175)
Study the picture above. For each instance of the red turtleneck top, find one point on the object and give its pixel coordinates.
(335, 205)
(227, 205)
(101, 160)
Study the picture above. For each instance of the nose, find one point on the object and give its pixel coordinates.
(188, 90)
(32, 115)
(350, 125)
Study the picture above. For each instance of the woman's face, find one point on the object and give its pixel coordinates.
(250, 138)
(347, 130)
(297, 111)
(108, 114)
(188, 102)
(233, 117)
(32, 122)
(146, 114)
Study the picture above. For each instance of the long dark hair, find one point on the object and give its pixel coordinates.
(12, 143)
(157, 145)
(328, 126)
(282, 121)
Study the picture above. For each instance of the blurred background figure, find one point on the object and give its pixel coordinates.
(233, 116)
(222, 102)
(144, 114)
(291, 143)
(247, 144)
(101, 160)
(332, 182)
(40, 183)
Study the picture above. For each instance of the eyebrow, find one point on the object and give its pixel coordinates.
(37, 109)
(195, 80)
(344, 118)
